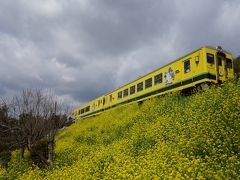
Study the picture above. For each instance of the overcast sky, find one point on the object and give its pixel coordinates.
(85, 48)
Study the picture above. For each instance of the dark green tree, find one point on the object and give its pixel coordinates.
(237, 66)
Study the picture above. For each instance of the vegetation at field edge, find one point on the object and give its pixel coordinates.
(171, 137)
(236, 66)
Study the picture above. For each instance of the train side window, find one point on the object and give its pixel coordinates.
(148, 83)
(158, 79)
(125, 93)
(111, 98)
(87, 109)
(219, 61)
(104, 100)
(132, 89)
(82, 111)
(93, 107)
(140, 86)
(120, 95)
(210, 58)
(229, 63)
(187, 67)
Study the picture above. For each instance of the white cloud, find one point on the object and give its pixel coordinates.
(227, 21)
(45, 8)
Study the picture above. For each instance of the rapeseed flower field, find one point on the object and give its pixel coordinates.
(170, 137)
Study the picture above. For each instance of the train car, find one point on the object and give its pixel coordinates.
(202, 66)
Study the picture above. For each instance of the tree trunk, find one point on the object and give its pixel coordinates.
(21, 153)
(50, 153)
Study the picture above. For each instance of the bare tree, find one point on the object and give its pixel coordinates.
(37, 117)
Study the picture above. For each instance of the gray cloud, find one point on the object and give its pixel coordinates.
(85, 48)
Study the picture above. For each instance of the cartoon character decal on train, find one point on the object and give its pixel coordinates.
(169, 76)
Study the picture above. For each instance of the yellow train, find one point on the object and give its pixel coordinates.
(204, 65)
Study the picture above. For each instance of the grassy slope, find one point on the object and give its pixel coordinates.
(168, 137)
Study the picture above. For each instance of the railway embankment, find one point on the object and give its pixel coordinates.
(168, 137)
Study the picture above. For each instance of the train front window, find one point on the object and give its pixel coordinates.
(140, 86)
(229, 63)
(120, 95)
(187, 67)
(210, 58)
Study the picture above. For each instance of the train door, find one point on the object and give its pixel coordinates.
(104, 101)
(222, 72)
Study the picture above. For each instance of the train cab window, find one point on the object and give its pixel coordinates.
(229, 63)
(140, 86)
(187, 67)
(210, 58)
(79, 112)
(120, 95)
(125, 93)
(82, 111)
(219, 60)
(87, 109)
(158, 79)
(132, 90)
(148, 83)
(99, 102)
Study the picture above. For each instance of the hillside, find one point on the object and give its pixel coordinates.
(167, 137)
